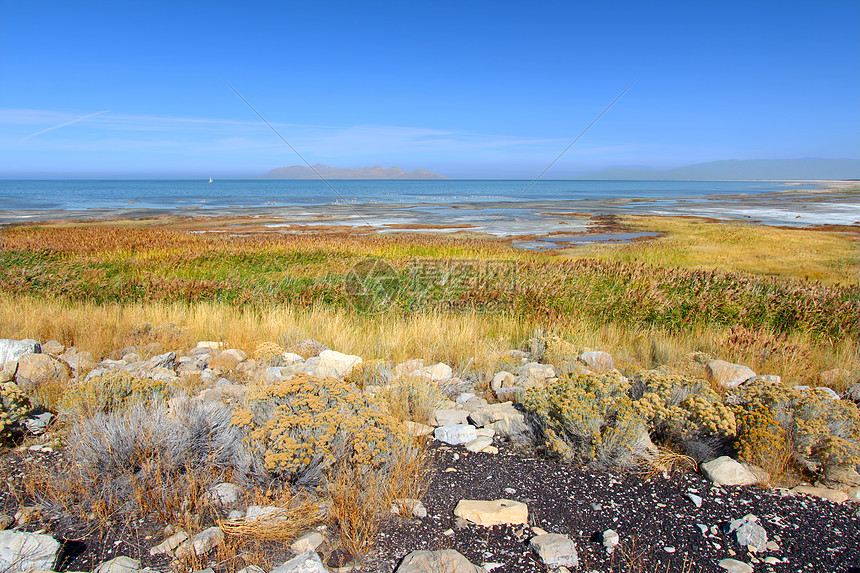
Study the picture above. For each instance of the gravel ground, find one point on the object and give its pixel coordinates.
(813, 535)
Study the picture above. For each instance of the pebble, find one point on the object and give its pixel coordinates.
(735, 566)
(669, 549)
(697, 501)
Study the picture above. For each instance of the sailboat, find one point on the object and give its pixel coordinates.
(210, 180)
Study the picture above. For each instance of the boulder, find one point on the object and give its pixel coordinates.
(14, 349)
(449, 417)
(597, 361)
(78, 361)
(336, 364)
(201, 544)
(169, 545)
(23, 551)
(502, 380)
(308, 348)
(307, 562)
(228, 359)
(446, 560)
(307, 542)
(727, 471)
(534, 375)
(121, 564)
(555, 550)
(500, 511)
(53, 347)
(224, 494)
(34, 369)
(439, 372)
(455, 434)
(727, 374)
(478, 444)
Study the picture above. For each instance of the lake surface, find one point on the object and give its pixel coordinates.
(200, 194)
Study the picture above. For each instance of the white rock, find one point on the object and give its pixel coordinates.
(555, 550)
(439, 372)
(292, 358)
(336, 364)
(735, 566)
(456, 434)
(610, 539)
(23, 551)
(597, 360)
(307, 542)
(210, 345)
(727, 471)
(727, 374)
(307, 562)
(121, 564)
(446, 560)
(13, 349)
(224, 494)
(697, 501)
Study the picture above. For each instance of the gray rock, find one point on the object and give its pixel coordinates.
(751, 534)
(167, 360)
(38, 424)
(446, 560)
(555, 550)
(224, 494)
(121, 564)
(456, 434)
(697, 501)
(735, 566)
(202, 543)
(170, 544)
(14, 349)
(23, 551)
(610, 539)
(307, 562)
(597, 360)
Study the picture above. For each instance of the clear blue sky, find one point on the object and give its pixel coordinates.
(467, 89)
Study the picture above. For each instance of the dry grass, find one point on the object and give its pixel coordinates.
(827, 256)
(667, 461)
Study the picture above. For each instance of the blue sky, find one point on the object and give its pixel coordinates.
(466, 89)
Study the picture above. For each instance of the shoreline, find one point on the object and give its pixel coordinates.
(833, 204)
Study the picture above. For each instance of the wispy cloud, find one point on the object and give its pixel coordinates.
(64, 124)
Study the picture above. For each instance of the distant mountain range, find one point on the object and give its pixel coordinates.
(376, 172)
(743, 169)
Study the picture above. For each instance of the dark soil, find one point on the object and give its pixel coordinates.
(814, 535)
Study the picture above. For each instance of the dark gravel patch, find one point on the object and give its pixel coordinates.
(813, 535)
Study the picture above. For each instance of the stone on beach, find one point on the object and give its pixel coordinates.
(735, 566)
(456, 434)
(445, 560)
(497, 512)
(24, 551)
(727, 374)
(555, 550)
(727, 471)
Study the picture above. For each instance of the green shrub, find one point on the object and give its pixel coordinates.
(590, 418)
(109, 392)
(306, 426)
(14, 405)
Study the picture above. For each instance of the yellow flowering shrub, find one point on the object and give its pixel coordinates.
(305, 426)
(590, 418)
(109, 392)
(822, 432)
(14, 405)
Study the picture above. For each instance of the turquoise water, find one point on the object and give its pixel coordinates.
(77, 194)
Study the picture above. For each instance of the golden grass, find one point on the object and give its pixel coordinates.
(827, 256)
(467, 341)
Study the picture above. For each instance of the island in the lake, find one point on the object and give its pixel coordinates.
(327, 172)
